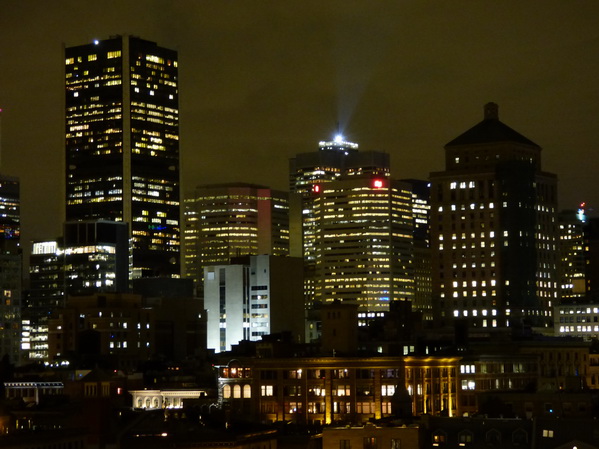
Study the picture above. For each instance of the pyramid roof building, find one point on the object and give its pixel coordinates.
(490, 130)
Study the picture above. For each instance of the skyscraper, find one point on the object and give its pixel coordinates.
(363, 244)
(230, 220)
(573, 260)
(122, 145)
(494, 229)
(307, 173)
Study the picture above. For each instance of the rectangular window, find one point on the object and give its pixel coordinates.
(344, 444)
(370, 443)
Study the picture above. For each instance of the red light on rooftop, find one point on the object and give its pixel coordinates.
(377, 183)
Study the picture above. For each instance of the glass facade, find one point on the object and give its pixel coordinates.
(122, 145)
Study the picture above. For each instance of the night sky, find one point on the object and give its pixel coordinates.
(261, 81)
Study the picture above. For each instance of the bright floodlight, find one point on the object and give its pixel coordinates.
(338, 138)
(96, 41)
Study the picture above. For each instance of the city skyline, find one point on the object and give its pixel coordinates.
(260, 85)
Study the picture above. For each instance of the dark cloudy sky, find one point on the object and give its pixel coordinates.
(263, 80)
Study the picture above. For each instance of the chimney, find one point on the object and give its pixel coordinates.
(491, 111)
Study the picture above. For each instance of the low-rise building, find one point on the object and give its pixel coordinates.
(325, 390)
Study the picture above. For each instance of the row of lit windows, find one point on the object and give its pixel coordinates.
(474, 293)
(579, 329)
(471, 206)
(578, 310)
(93, 57)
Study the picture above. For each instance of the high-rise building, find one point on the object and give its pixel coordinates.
(494, 230)
(10, 269)
(231, 220)
(46, 293)
(252, 297)
(363, 244)
(122, 145)
(572, 266)
(307, 173)
(422, 252)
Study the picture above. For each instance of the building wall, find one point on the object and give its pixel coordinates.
(226, 297)
(577, 319)
(338, 389)
(370, 436)
(257, 296)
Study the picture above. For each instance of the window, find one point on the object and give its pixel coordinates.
(247, 391)
(520, 437)
(493, 437)
(370, 443)
(439, 437)
(344, 444)
(267, 390)
(547, 433)
(227, 391)
(237, 391)
(465, 437)
(395, 443)
(388, 390)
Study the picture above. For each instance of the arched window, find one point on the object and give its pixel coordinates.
(226, 391)
(439, 437)
(520, 436)
(493, 437)
(237, 391)
(465, 437)
(247, 391)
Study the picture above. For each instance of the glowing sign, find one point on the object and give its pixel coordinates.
(316, 188)
(377, 183)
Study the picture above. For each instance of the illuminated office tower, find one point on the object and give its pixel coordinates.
(122, 145)
(307, 173)
(364, 243)
(230, 220)
(10, 269)
(573, 258)
(494, 230)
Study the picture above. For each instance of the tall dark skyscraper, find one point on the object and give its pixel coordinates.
(494, 230)
(122, 145)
